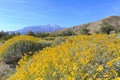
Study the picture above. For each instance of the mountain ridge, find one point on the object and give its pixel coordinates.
(56, 29)
(39, 28)
(94, 26)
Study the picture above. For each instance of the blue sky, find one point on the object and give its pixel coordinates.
(16, 14)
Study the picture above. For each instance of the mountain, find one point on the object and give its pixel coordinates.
(113, 21)
(40, 28)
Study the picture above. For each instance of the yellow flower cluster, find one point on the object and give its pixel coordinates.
(83, 57)
(100, 68)
(15, 39)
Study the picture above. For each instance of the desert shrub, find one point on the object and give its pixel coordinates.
(67, 33)
(6, 35)
(84, 31)
(30, 33)
(106, 29)
(58, 40)
(83, 57)
(13, 49)
(49, 38)
(117, 29)
(42, 34)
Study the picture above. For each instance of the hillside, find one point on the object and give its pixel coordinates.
(94, 26)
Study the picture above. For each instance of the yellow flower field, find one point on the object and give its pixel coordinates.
(83, 57)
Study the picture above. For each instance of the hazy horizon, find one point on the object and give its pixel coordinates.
(16, 14)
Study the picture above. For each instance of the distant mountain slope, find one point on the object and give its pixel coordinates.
(40, 28)
(94, 26)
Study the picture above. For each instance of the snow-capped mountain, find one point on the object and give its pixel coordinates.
(40, 28)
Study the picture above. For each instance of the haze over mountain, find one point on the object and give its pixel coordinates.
(39, 28)
(113, 21)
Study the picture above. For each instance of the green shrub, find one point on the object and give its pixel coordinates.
(30, 33)
(106, 29)
(49, 38)
(42, 34)
(84, 31)
(67, 33)
(13, 49)
(117, 29)
(58, 41)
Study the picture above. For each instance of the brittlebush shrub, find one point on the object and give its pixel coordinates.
(83, 57)
(16, 47)
(15, 51)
